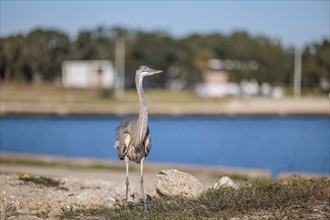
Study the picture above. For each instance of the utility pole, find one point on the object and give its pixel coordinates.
(120, 68)
(297, 74)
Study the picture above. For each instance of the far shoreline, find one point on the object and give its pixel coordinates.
(67, 162)
(196, 115)
(252, 107)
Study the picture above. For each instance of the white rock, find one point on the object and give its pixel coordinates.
(225, 181)
(173, 182)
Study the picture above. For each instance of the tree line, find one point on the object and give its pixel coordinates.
(40, 53)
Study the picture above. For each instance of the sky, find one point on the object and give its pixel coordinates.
(293, 23)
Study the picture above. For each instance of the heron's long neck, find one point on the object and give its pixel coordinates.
(142, 122)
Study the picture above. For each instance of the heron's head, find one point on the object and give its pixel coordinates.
(146, 71)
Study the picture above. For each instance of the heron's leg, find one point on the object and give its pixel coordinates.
(127, 181)
(142, 188)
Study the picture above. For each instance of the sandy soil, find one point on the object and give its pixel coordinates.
(82, 185)
(78, 188)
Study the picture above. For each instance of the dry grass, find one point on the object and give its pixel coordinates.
(53, 94)
(51, 162)
(294, 198)
(51, 100)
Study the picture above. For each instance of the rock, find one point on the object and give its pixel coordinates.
(173, 182)
(225, 181)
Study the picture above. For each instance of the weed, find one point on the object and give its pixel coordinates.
(42, 214)
(70, 213)
(62, 164)
(10, 210)
(41, 180)
(294, 199)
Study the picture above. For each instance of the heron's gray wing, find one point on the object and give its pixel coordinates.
(122, 145)
(125, 126)
(123, 137)
(147, 143)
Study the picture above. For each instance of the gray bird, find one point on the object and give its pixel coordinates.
(133, 138)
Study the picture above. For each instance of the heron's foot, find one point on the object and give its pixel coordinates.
(145, 209)
(128, 205)
(144, 201)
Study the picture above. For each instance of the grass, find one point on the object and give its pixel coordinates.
(51, 100)
(70, 164)
(53, 94)
(41, 180)
(294, 198)
(70, 213)
(23, 99)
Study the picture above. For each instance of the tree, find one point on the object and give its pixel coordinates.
(11, 57)
(45, 50)
(316, 66)
(40, 53)
(153, 49)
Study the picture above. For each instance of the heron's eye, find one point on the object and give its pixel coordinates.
(144, 68)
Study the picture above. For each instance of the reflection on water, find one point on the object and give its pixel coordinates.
(278, 144)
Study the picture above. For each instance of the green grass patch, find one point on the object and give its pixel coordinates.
(293, 198)
(41, 180)
(64, 164)
(53, 94)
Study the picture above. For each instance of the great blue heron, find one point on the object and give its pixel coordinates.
(133, 139)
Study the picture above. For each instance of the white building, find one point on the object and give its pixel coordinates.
(88, 74)
(215, 81)
(215, 85)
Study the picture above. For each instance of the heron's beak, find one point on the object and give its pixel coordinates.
(152, 71)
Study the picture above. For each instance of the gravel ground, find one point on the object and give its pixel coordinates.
(29, 201)
(78, 188)
(81, 186)
(20, 198)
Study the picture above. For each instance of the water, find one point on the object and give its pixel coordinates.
(279, 144)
